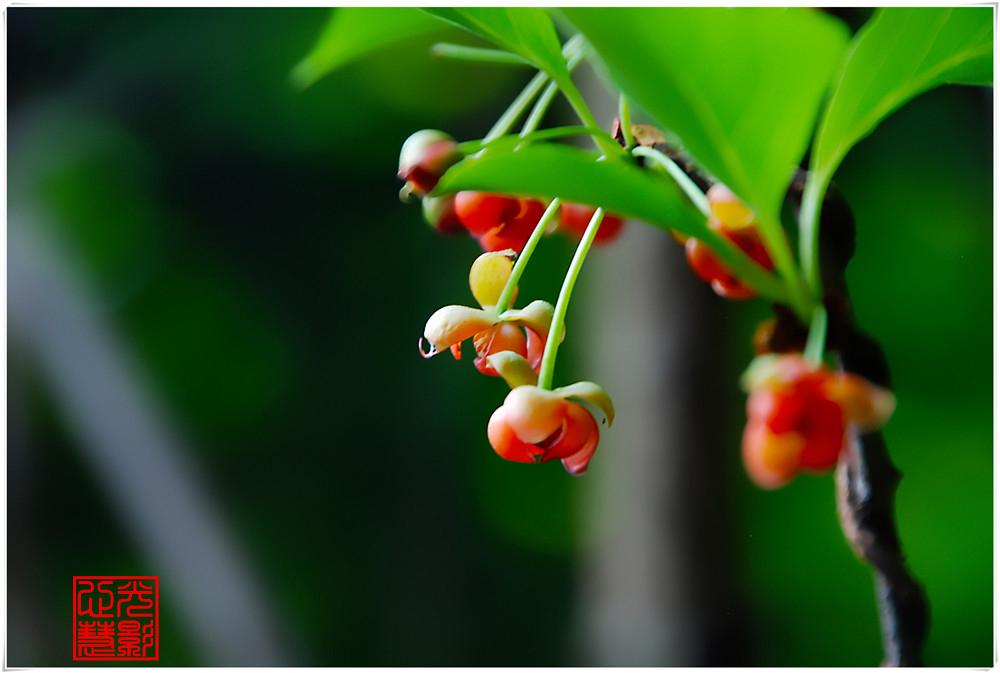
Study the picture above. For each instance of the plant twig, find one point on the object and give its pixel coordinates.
(866, 488)
(866, 477)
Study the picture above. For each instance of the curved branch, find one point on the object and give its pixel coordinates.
(866, 488)
(866, 477)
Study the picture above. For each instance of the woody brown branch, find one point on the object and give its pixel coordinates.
(866, 477)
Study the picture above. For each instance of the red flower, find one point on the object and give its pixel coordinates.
(798, 415)
(536, 425)
(490, 332)
(735, 221)
(498, 222)
(575, 217)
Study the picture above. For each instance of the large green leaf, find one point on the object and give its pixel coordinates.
(899, 54)
(551, 170)
(740, 87)
(527, 31)
(353, 32)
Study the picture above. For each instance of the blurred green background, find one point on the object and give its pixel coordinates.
(244, 245)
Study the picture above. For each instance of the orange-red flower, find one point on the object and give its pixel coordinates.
(490, 332)
(497, 221)
(733, 220)
(574, 218)
(535, 425)
(798, 415)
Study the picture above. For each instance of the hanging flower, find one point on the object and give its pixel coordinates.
(497, 221)
(798, 415)
(574, 218)
(734, 221)
(535, 425)
(522, 331)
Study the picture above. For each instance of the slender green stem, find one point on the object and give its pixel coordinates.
(557, 327)
(816, 342)
(776, 242)
(680, 177)
(517, 108)
(541, 107)
(545, 100)
(625, 119)
(507, 120)
(556, 132)
(464, 53)
(552, 133)
(817, 183)
(503, 303)
(603, 141)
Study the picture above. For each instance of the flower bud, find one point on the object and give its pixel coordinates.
(424, 158)
(439, 213)
(489, 275)
(727, 207)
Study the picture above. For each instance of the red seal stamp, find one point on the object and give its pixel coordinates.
(116, 618)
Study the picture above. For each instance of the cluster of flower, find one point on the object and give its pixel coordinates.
(799, 411)
(534, 424)
(497, 221)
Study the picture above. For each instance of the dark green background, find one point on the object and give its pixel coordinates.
(247, 243)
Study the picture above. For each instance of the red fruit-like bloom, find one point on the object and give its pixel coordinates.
(536, 425)
(798, 415)
(735, 221)
(424, 158)
(575, 217)
(498, 222)
(490, 332)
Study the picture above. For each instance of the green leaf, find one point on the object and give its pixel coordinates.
(740, 87)
(353, 32)
(478, 54)
(550, 170)
(898, 55)
(527, 31)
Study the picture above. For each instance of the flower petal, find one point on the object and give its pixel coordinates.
(865, 404)
(536, 348)
(771, 460)
(514, 368)
(534, 414)
(591, 393)
(772, 370)
(505, 442)
(536, 316)
(581, 432)
(453, 324)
